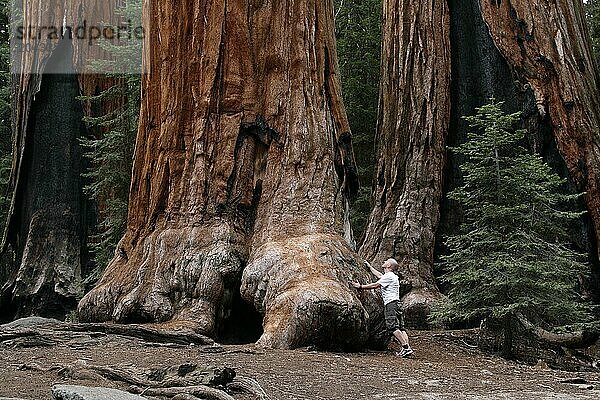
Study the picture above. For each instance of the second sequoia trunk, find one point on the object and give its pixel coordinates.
(243, 163)
(548, 47)
(482, 68)
(414, 114)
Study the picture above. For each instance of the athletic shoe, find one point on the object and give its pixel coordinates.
(405, 352)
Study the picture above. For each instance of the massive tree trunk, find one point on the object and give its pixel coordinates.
(243, 164)
(414, 114)
(301, 256)
(48, 218)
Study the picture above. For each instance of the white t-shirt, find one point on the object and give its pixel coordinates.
(390, 287)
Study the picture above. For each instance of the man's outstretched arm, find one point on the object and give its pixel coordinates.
(373, 285)
(373, 270)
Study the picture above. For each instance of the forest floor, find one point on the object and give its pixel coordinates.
(446, 366)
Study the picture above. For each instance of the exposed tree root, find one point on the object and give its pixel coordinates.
(248, 385)
(184, 396)
(176, 376)
(199, 391)
(573, 340)
(147, 333)
(46, 332)
(183, 382)
(575, 351)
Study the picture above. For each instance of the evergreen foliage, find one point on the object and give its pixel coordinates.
(592, 9)
(358, 34)
(511, 254)
(114, 123)
(5, 112)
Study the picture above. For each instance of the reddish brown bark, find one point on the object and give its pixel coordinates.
(548, 46)
(299, 265)
(243, 157)
(414, 113)
(186, 232)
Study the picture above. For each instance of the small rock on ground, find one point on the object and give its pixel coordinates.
(73, 392)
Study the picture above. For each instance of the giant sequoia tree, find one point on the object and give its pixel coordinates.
(48, 217)
(242, 175)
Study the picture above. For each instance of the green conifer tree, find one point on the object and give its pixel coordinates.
(358, 35)
(110, 150)
(592, 10)
(511, 256)
(5, 111)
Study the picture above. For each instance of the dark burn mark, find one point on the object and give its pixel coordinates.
(582, 168)
(345, 166)
(257, 129)
(522, 33)
(581, 65)
(327, 69)
(251, 210)
(263, 135)
(569, 105)
(542, 59)
(520, 23)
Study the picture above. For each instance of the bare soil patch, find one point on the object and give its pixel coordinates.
(446, 366)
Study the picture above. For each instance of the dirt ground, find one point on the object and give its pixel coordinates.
(445, 367)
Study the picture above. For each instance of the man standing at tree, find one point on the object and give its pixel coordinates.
(390, 291)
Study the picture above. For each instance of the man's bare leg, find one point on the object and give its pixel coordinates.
(401, 336)
(405, 336)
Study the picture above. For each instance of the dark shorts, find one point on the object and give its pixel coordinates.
(394, 318)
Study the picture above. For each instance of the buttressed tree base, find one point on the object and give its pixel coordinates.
(242, 175)
(244, 167)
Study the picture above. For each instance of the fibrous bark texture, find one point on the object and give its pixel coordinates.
(243, 163)
(48, 217)
(301, 256)
(414, 114)
(547, 45)
(192, 186)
